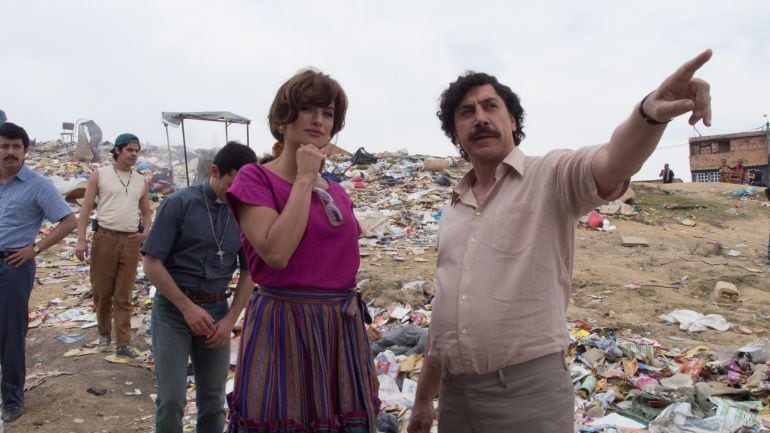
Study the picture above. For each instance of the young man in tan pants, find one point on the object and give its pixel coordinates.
(122, 196)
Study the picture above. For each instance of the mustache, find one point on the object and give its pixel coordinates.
(10, 158)
(483, 130)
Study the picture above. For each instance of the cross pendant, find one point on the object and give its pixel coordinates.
(221, 255)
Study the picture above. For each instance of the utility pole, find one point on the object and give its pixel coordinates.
(767, 132)
(767, 182)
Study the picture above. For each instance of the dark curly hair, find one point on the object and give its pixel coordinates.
(454, 94)
(13, 131)
(307, 87)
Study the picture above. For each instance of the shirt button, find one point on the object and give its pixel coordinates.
(464, 331)
(478, 214)
(473, 239)
(467, 268)
(463, 297)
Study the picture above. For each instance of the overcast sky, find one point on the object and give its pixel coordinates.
(578, 66)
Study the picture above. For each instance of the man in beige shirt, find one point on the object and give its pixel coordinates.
(506, 250)
(123, 199)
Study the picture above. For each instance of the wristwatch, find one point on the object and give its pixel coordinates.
(36, 249)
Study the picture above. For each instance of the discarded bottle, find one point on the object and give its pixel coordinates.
(587, 387)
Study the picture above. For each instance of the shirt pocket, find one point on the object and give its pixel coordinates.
(510, 229)
(13, 207)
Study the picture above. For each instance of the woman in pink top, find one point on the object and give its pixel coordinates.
(304, 363)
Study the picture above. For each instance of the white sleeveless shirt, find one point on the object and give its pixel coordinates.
(118, 199)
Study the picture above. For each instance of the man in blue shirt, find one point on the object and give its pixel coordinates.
(25, 199)
(190, 255)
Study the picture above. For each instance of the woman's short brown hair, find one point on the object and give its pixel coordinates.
(307, 87)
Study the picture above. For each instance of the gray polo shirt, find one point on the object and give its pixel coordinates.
(181, 237)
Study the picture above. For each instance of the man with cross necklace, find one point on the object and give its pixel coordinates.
(190, 256)
(122, 196)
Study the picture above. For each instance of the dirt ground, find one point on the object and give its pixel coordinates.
(678, 270)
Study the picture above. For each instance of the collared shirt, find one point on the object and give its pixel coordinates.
(504, 266)
(182, 237)
(25, 200)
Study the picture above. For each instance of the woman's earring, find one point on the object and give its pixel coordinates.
(281, 129)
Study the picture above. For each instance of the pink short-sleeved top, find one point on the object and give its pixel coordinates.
(326, 258)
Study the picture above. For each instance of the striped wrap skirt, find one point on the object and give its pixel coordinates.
(304, 365)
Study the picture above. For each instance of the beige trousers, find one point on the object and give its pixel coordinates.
(533, 397)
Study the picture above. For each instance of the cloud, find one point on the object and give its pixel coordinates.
(579, 67)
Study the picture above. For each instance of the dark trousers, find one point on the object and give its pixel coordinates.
(15, 287)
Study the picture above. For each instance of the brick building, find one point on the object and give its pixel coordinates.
(707, 152)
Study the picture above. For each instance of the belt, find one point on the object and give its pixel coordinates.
(350, 300)
(104, 229)
(200, 298)
(545, 363)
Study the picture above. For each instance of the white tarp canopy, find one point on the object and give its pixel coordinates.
(177, 118)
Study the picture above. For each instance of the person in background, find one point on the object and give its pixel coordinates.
(94, 139)
(496, 351)
(724, 171)
(740, 168)
(123, 201)
(190, 256)
(667, 174)
(304, 362)
(26, 198)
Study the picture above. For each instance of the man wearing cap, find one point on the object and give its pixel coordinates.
(506, 248)
(123, 201)
(25, 199)
(190, 256)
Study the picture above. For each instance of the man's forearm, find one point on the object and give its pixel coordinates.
(164, 282)
(632, 142)
(429, 382)
(146, 222)
(243, 292)
(82, 223)
(62, 229)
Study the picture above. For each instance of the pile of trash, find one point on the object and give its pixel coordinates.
(633, 383)
(622, 382)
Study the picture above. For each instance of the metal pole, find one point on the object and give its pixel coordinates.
(227, 138)
(184, 144)
(767, 176)
(247, 134)
(170, 160)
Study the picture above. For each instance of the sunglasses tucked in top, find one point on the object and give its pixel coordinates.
(332, 211)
